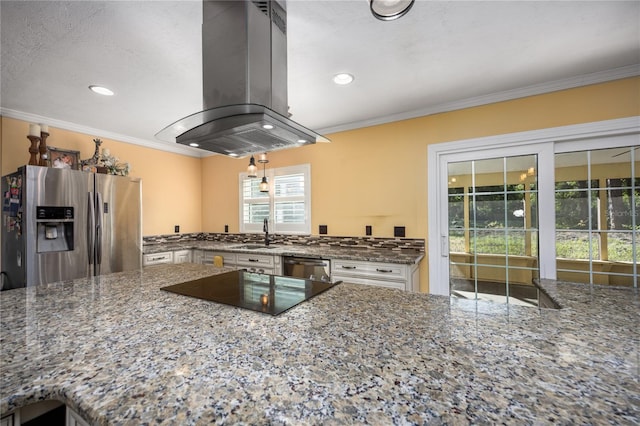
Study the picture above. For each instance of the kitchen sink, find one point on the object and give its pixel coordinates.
(252, 247)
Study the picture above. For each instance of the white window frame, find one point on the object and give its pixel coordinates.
(271, 174)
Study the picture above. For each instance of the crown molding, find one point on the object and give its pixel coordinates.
(582, 132)
(73, 127)
(523, 92)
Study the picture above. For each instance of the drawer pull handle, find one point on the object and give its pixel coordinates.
(348, 267)
(384, 270)
(254, 260)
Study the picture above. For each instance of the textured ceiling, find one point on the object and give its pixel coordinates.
(442, 53)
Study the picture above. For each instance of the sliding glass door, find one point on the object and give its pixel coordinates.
(493, 235)
(560, 204)
(597, 203)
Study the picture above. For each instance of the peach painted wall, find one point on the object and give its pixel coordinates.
(171, 183)
(378, 175)
(371, 176)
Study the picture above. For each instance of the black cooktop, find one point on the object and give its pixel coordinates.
(270, 294)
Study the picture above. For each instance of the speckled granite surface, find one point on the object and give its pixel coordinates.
(120, 351)
(369, 255)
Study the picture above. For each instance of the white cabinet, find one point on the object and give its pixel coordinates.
(177, 256)
(261, 263)
(182, 256)
(196, 256)
(74, 419)
(37, 413)
(12, 419)
(392, 275)
(157, 258)
(228, 258)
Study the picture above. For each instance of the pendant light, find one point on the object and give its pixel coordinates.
(264, 184)
(388, 10)
(252, 170)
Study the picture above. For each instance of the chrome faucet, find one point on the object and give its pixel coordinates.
(265, 228)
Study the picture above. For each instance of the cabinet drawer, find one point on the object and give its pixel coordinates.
(255, 260)
(400, 285)
(258, 269)
(382, 271)
(157, 258)
(228, 259)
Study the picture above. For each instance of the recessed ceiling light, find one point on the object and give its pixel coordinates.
(195, 145)
(302, 140)
(101, 90)
(267, 126)
(342, 78)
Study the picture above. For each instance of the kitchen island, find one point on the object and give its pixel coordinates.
(118, 350)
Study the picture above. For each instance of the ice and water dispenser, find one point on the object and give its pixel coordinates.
(55, 229)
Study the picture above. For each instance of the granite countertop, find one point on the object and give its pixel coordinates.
(328, 252)
(119, 351)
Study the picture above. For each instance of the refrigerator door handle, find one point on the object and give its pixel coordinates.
(99, 229)
(91, 226)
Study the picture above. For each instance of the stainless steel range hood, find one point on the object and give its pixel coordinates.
(244, 64)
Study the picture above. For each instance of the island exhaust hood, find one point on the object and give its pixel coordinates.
(244, 67)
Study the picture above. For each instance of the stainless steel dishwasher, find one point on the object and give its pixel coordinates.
(307, 267)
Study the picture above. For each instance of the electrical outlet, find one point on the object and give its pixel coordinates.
(323, 230)
(367, 230)
(398, 231)
(226, 228)
(176, 229)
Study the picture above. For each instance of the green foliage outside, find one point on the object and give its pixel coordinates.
(574, 247)
(577, 208)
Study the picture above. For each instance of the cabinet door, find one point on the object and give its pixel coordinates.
(182, 256)
(389, 275)
(255, 260)
(376, 270)
(400, 285)
(228, 259)
(260, 263)
(74, 419)
(257, 270)
(9, 420)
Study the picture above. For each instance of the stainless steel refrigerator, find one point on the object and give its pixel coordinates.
(60, 224)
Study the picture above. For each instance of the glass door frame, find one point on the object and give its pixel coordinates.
(495, 260)
(539, 142)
